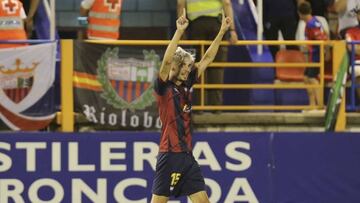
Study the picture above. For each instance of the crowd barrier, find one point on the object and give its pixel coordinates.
(66, 118)
(99, 82)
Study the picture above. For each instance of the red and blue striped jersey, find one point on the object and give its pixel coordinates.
(174, 104)
(314, 31)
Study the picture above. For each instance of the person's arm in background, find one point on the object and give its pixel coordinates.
(29, 22)
(85, 7)
(214, 47)
(181, 25)
(229, 13)
(340, 6)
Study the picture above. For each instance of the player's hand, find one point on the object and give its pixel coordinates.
(182, 22)
(226, 22)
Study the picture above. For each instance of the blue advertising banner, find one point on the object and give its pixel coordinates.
(316, 167)
(238, 167)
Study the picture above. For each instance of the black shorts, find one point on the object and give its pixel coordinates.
(177, 174)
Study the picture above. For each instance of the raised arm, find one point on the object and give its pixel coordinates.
(180, 7)
(181, 25)
(229, 13)
(214, 47)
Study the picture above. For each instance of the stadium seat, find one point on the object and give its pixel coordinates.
(290, 74)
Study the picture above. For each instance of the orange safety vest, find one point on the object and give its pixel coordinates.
(104, 19)
(11, 24)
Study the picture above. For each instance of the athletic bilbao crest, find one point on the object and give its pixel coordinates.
(128, 82)
(17, 81)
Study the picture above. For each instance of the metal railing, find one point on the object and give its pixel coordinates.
(203, 86)
(67, 116)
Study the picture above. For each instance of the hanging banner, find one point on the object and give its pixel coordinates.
(114, 85)
(26, 81)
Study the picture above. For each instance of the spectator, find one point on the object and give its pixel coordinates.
(12, 15)
(324, 9)
(280, 15)
(353, 34)
(346, 10)
(103, 18)
(313, 31)
(205, 22)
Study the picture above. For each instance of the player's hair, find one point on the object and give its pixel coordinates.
(304, 8)
(181, 55)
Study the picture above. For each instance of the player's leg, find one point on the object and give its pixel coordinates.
(199, 197)
(161, 183)
(159, 199)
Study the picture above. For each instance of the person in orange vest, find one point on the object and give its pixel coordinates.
(103, 18)
(12, 18)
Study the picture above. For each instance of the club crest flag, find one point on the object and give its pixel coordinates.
(26, 83)
(113, 86)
